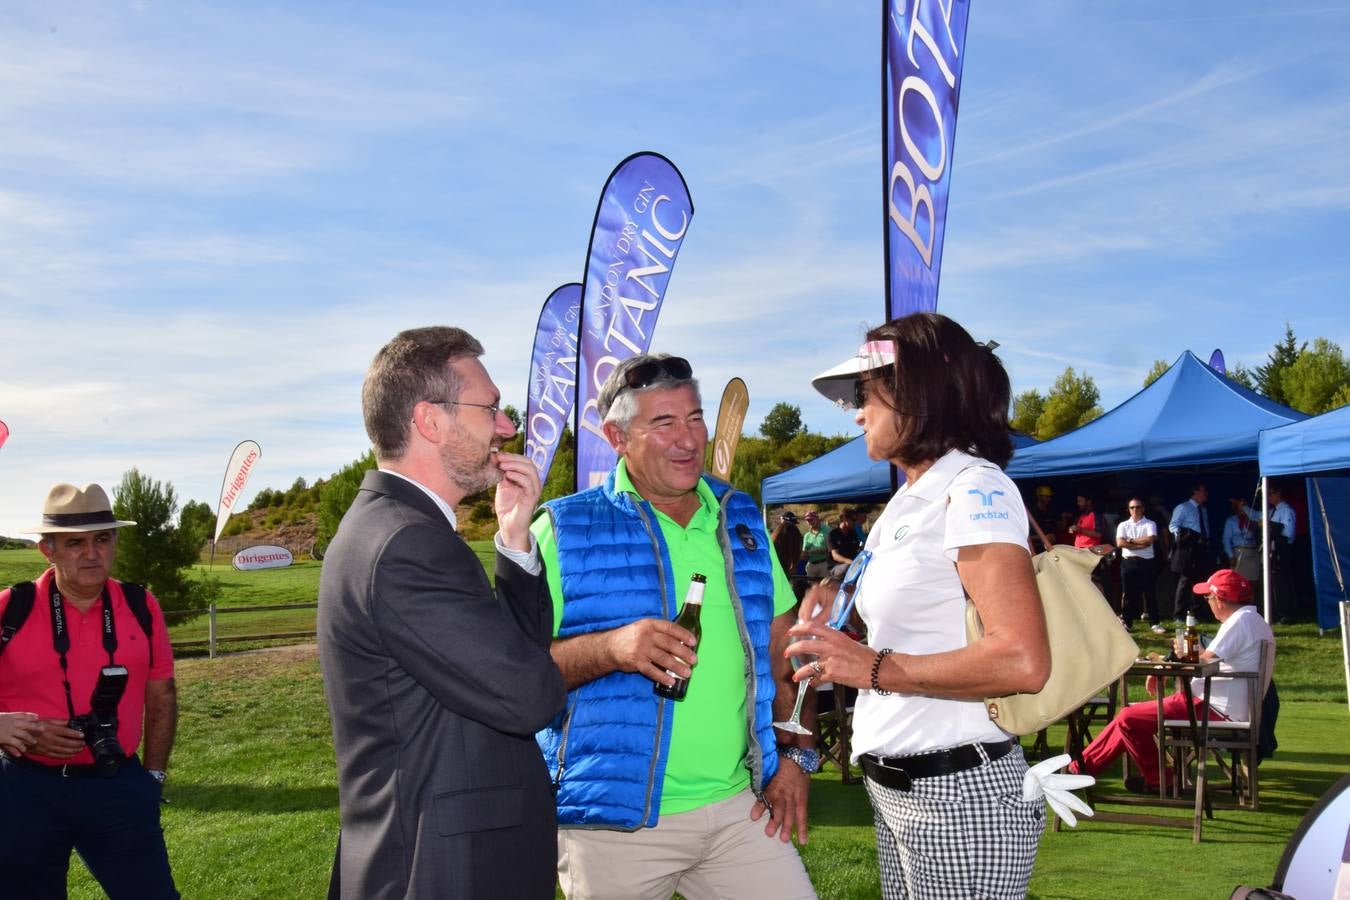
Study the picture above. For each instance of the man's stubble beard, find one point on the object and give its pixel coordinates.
(471, 471)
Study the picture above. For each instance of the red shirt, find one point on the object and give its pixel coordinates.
(30, 670)
(1087, 520)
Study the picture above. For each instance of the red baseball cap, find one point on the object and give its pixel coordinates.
(1229, 585)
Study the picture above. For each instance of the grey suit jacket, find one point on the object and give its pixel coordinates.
(436, 686)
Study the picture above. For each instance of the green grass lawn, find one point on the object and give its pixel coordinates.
(1309, 665)
(294, 584)
(253, 809)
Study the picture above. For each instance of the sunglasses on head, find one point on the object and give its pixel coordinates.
(641, 376)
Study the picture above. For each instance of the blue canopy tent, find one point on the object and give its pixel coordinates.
(1190, 417)
(844, 475)
(1319, 444)
(1319, 448)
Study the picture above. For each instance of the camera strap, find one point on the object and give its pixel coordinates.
(61, 635)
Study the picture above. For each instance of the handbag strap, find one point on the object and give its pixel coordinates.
(1040, 532)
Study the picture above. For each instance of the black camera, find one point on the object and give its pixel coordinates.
(100, 723)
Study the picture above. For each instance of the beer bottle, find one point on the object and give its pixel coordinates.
(1192, 643)
(688, 619)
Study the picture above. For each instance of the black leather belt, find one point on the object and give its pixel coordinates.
(899, 772)
(65, 771)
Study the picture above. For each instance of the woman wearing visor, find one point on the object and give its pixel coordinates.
(945, 782)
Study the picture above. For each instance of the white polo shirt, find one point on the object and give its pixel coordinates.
(1132, 530)
(1238, 646)
(913, 602)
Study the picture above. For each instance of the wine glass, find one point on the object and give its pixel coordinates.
(794, 724)
(844, 599)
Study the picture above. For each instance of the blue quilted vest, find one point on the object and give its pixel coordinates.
(607, 749)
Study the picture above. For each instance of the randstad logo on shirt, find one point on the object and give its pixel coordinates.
(986, 499)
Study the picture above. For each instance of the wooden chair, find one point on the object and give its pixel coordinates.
(1095, 711)
(834, 732)
(1241, 739)
(1078, 728)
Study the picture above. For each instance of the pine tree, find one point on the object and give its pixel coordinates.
(1284, 355)
(155, 552)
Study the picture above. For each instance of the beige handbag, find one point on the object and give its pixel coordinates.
(1089, 647)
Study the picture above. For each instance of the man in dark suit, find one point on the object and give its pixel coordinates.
(436, 683)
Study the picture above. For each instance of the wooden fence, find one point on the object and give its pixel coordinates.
(214, 638)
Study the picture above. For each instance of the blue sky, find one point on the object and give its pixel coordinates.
(212, 215)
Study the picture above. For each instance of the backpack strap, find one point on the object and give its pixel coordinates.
(135, 594)
(21, 597)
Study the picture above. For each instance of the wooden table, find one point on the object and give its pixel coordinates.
(1198, 732)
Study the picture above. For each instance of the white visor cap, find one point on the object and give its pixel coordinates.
(838, 384)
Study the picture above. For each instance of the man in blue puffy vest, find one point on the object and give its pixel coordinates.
(657, 796)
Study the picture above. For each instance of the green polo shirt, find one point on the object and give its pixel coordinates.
(708, 741)
(814, 547)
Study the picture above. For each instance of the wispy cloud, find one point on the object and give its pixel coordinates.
(210, 221)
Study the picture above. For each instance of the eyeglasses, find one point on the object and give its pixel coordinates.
(492, 408)
(641, 376)
(844, 600)
(1136, 507)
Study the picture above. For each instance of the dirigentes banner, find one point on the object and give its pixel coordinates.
(730, 421)
(553, 376)
(640, 223)
(922, 51)
(242, 461)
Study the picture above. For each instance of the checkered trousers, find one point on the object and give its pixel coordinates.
(968, 835)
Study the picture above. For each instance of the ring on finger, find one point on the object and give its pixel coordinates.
(817, 668)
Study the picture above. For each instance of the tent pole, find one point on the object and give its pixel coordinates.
(1345, 639)
(1265, 545)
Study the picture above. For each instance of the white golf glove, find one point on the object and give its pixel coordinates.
(1040, 781)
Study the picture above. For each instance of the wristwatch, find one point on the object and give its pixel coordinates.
(158, 774)
(807, 760)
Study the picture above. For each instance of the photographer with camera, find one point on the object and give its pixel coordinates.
(91, 658)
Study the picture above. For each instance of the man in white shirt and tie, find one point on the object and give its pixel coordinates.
(1192, 556)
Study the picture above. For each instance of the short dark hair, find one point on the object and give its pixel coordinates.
(410, 368)
(948, 392)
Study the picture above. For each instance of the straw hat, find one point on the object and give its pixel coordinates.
(72, 509)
